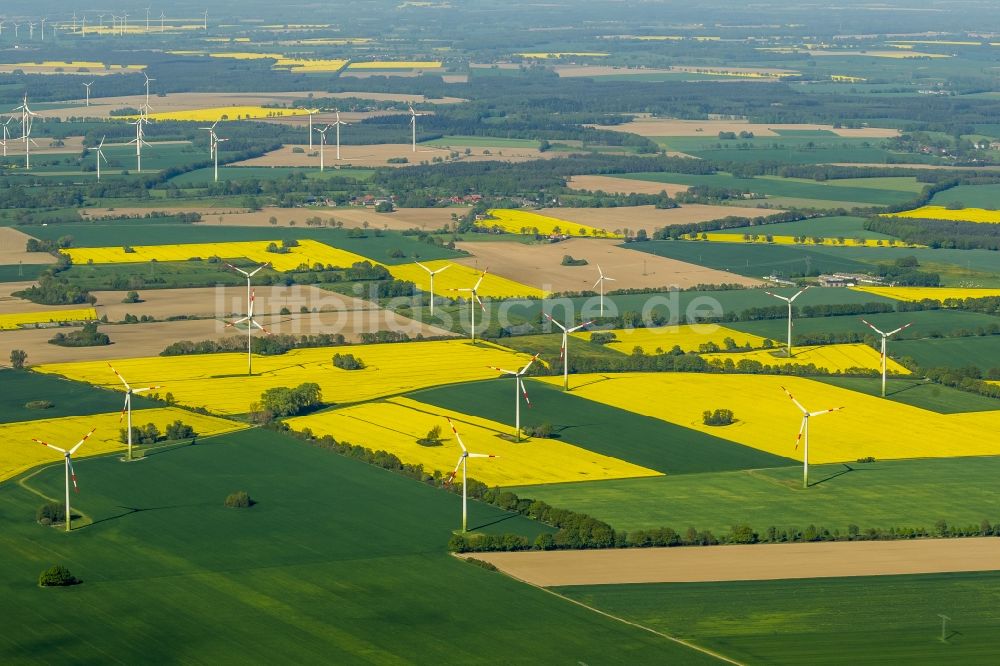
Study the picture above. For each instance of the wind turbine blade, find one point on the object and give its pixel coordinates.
(609, 279)
(454, 473)
(797, 403)
(72, 475)
(119, 376)
(506, 372)
(549, 317)
(238, 270)
(598, 281)
(804, 290)
(476, 288)
(869, 324)
(802, 427)
(80, 443)
(891, 333)
(599, 271)
(524, 391)
(443, 268)
(479, 300)
(525, 368)
(825, 411)
(481, 455)
(234, 323)
(457, 436)
(51, 446)
(562, 348)
(148, 388)
(424, 267)
(577, 328)
(124, 409)
(784, 298)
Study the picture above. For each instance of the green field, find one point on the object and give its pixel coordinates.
(201, 177)
(864, 620)
(918, 393)
(12, 273)
(481, 142)
(787, 149)
(926, 323)
(339, 562)
(886, 192)
(756, 259)
(650, 442)
(68, 398)
(121, 158)
(373, 246)
(840, 226)
(969, 196)
(980, 352)
(901, 493)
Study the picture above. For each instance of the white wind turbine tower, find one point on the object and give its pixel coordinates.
(789, 300)
(163, 17)
(83, 26)
(519, 390)
(87, 86)
(26, 121)
(432, 274)
(322, 145)
(1, 28)
(463, 462)
(100, 19)
(6, 134)
(206, 19)
(564, 349)
(600, 282)
(74, 22)
(147, 19)
(337, 125)
(885, 336)
(100, 156)
(311, 113)
(43, 27)
(804, 434)
(123, 24)
(146, 107)
(413, 124)
(251, 322)
(16, 26)
(139, 141)
(31, 30)
(213, 146)
(127, 409)
(70, 474)
(473, 299)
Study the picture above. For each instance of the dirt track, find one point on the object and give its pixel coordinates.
(758, 562)
(539, 266)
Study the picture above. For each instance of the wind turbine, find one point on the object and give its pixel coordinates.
(1, 28)
(147, 107)
(129, 391)
(147, 20)
(473, 299)
(885, 336)
(600, 281)
(70, 474)
(519, 390)
(16, 26)
(74, 21)
(322, 144)
(162, 17)
(83, 27)
(337, 125)
(413, 123)
(31, 30)
(213, 146)
(564, 349)
(87, 86)
(804, 434)
(463, 462)
(26, 114)
(251, 322)
(100, 156)
(124, 24)
(788, 300)
(139, 141)
(43, 27)
(311, 113)
(206, 19)
(6, 134)
(432, 274)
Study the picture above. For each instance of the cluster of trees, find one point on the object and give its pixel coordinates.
(36, 245)
(271, 345)
(718, 417)
(88, 336)
(150, 434)
(348, 362)
(282, 401)
(51, 513)
(939, 233)
(678, 231)
(239, 500)
(52, 290)
(904, 271)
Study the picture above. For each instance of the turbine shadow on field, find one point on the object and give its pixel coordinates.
(130, 510)
(494, 522)
(170, 449)
(847, 469)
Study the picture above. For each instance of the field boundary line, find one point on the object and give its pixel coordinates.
(680, 641)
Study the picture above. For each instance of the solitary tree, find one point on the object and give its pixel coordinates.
(17, 358)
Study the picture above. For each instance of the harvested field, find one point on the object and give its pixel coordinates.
(649, 217)
(72, 145)
(613, 185)
(377, 155)
(139, 340)
(539, 266)
(758, 562)
(711, 128)
(165, 206)
(224, 301)
(10, 303)
(352, 216)
(12, 243)
(101, 106)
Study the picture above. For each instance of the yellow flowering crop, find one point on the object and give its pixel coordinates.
(211, 115)
(832, 357)
(761, 238)
(219, 383)
(18, 319)
(462, 277)
(767, 419)
(688, 337)
(396, 424)
(396, 64)
(522, 221)
(932, 293)
(18, 453)
(942, 213)
(309, 64)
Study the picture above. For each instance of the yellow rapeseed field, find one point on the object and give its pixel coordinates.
(932, 293)
(307, 252)
(832, 357)
(309, 64)
(396, 64)
(219, 382)
(762, 238)
(767, 419)
(523, 221)
(845, 78)
(462, 277)
(688, 337)
(397, 424)
(15, 320)
(51, 65)
(213, 114)
(942, 213)
(18, 453)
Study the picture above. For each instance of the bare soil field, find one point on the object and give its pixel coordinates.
(136, 340)
(711, 128)
(540, 266)
(10, 304)
(649, 217)
(225, 302)
(12, 244)
(101, 106)
(613, 185)
(758, 562)
(163, 206)
(377, 155)
(71, 145)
